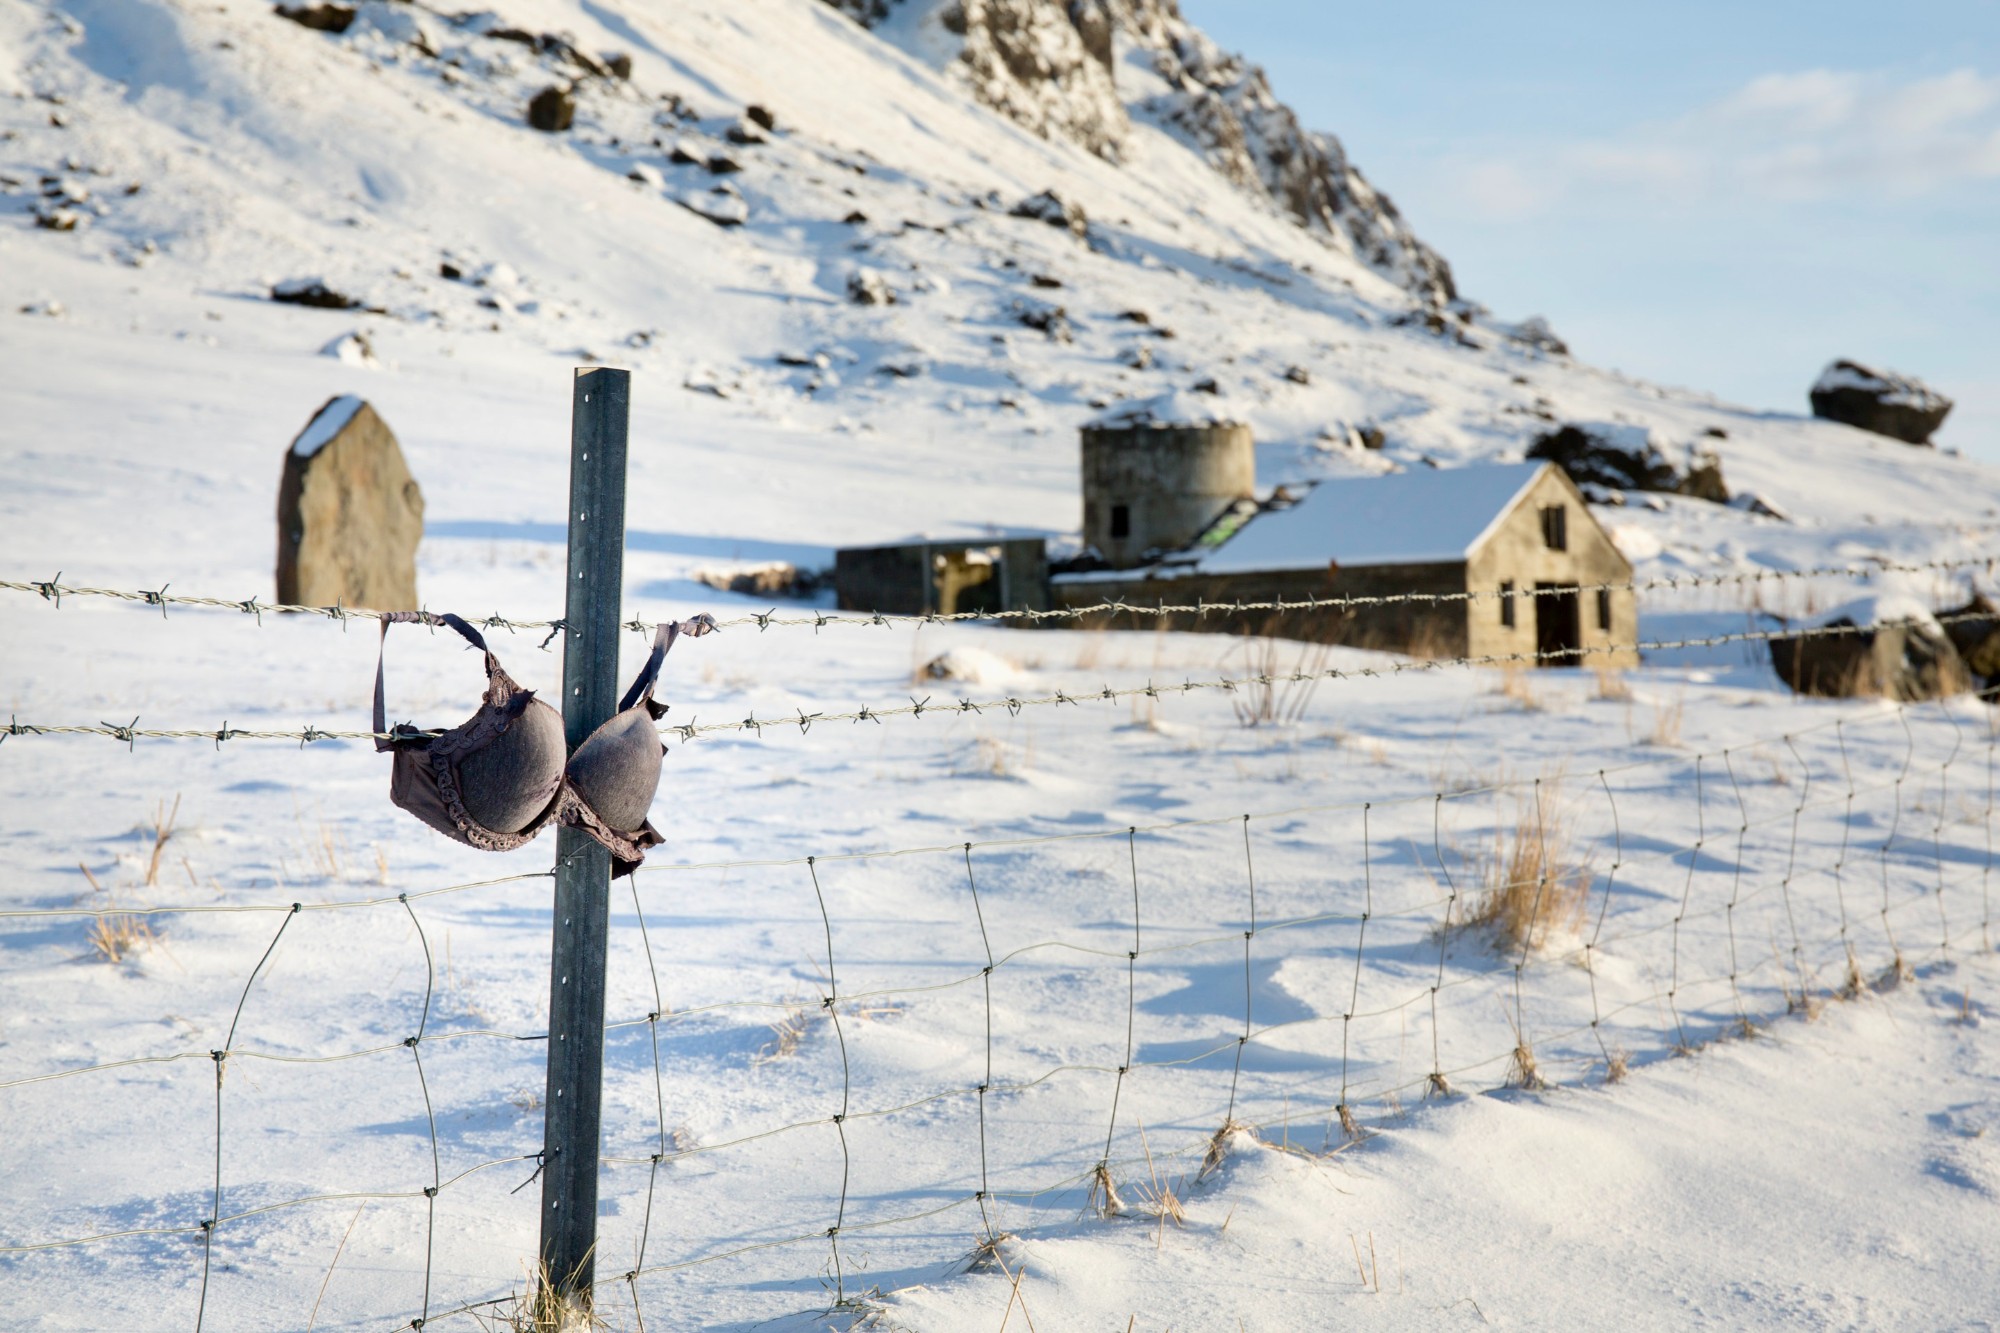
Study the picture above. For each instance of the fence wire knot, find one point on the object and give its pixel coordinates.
(764, 620)
(555, 627)
(52, 590)
(807, 719)
(125, 733)
(309, 735)
(224, 734)
(158, 598)
(249, 607)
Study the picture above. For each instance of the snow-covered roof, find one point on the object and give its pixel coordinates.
(1410, 518)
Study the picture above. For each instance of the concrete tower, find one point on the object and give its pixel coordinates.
(1154, 486)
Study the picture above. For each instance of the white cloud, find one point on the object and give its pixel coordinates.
(1809, 135)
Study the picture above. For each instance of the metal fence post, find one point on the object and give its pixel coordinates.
(599, 416)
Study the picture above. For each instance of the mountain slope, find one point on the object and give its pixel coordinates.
(386, 157)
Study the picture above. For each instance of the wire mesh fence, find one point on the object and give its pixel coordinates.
(891, 1092)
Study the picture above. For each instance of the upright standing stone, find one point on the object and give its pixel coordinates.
(349, 514)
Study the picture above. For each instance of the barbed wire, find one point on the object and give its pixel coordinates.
(1903, 850)
(54, 590)
(1013, 705)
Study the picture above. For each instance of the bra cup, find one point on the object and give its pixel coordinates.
(617, 769)
(508, 782)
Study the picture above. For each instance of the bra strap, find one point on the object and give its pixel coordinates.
(470, 635)
(663, 639)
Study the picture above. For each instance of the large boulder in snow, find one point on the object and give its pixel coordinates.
(1887, 646)
(1879, 401)
(1974, 630)
(349, 514)
(1605, 456)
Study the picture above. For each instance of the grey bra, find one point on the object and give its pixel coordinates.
(499, 778)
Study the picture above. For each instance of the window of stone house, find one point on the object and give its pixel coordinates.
(1604, 609)
(1555, 528)
(1507, 604)
(1121, 522)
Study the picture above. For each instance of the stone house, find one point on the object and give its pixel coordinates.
(1518, 536)
(944, 576)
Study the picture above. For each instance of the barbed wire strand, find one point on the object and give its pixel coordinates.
(130, 732)
(1353, 1013)
(54, 590)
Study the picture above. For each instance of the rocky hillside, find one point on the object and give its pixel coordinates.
(1086, 69)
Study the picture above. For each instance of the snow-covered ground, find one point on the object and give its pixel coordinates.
(1828, 1172)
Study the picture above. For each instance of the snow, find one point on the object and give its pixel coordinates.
(144, 434)
(1417, 517)
(1889, 608)
(1175, 407)
(330, 420)
(1886, 385)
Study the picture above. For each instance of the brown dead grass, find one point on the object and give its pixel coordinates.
(1533, 888)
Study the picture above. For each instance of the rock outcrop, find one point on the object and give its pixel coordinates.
(1880, 646)
(1053, 66)
(1604, 458)
(349, 514)
(1879, 401)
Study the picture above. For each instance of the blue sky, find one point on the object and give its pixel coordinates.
(1723, 196)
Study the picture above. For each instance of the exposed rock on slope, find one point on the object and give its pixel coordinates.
(1606, 458)
(1054, 67)
(1879, 401)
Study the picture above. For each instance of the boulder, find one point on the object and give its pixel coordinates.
(313, 292)
(1879, 401)
(349, 514)
(1974, 629)
(553, 109)
(867, 286)
(1617, 457)
(319, 17)
(1890, 647)
(1052, 208)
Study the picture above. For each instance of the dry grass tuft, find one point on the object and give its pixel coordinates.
(1665, 727)
(1533, 890)
(1276, 694)
(117, 935)
(1522, 1071)
(1218, 1149)
(1611, 684)
(163, 830)
(1348, 1124)
(787, 1032)
(1103, 1198)
(1437, 1085)
(540, 1309)
(1161, 1200)
(986, 1255)
(1516, 687)
(1617, 1066)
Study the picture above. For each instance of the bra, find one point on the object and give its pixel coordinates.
(496, 780)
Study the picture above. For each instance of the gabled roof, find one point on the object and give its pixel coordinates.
(1426, 516)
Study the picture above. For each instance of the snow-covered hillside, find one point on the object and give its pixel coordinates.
(872, 265)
